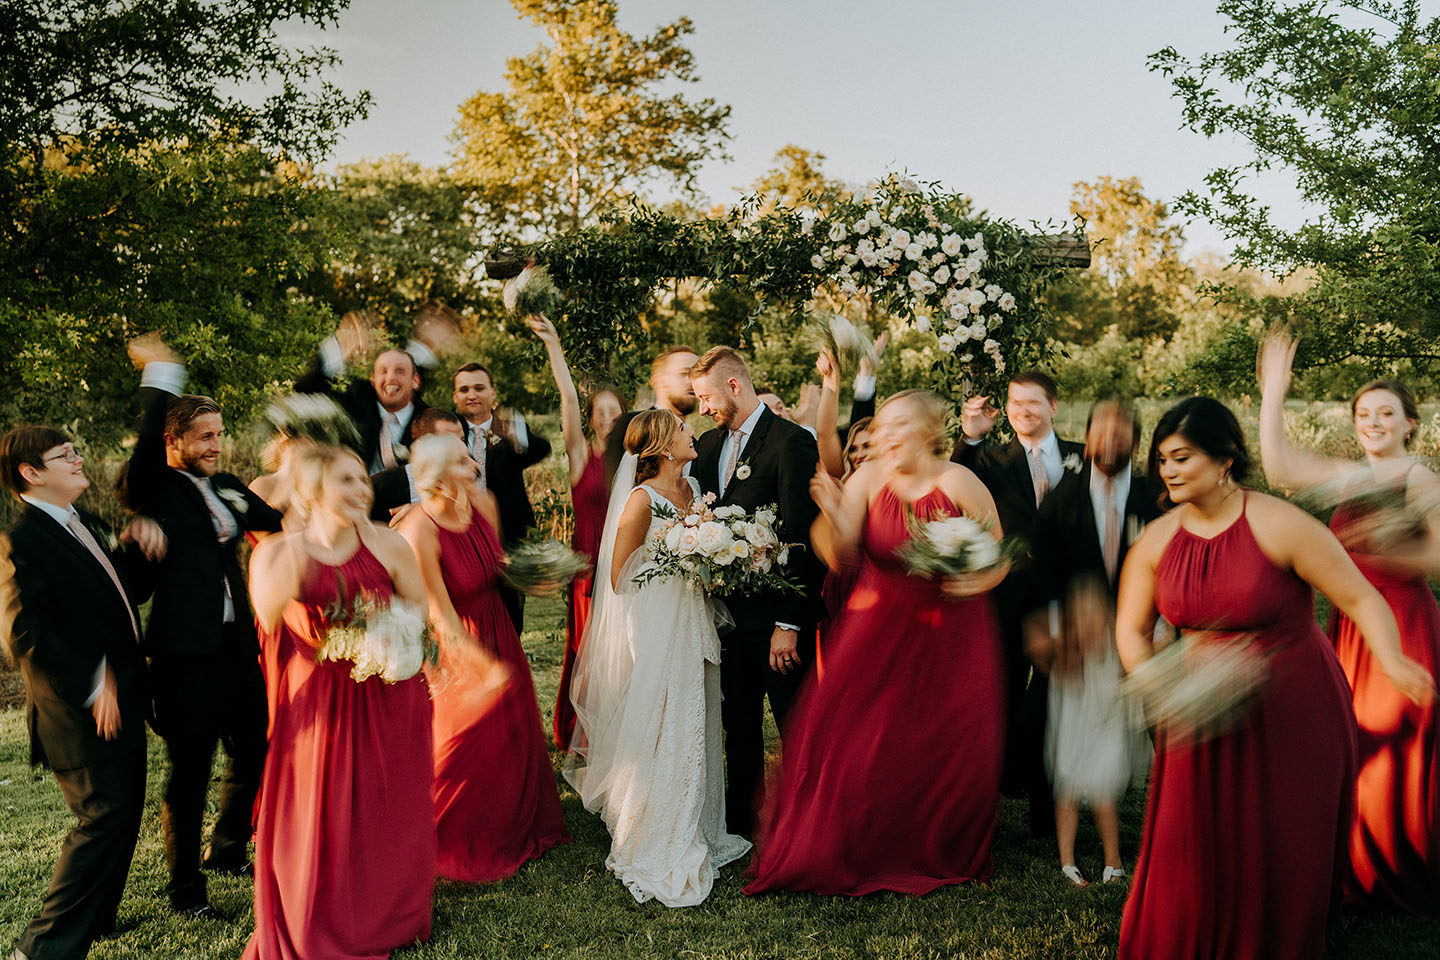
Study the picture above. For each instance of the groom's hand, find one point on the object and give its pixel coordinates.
(783, 655)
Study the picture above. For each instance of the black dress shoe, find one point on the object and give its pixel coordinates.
(235, 866)
(197, 911)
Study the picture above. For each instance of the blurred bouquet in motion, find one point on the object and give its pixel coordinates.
(532, 294)
(724, 550)
(541, 567)
(314, 417)
(842, 340)
(1373, 514)
(391, 640)
(948, 546)
(1201, 685)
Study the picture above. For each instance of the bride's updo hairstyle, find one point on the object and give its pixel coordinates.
(431, 457)
(929, 415)
(312, 464)
(649, 437)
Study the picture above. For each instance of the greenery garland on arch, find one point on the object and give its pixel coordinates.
(913, 255)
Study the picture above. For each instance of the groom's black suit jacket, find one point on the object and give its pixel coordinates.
(782, 459)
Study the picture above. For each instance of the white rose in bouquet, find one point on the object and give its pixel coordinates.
(913, 251)
(941, 274)
(984, 552)
(760, 536)
(900, 239)
(946, 343)
(916, 280)
(724, 556)
(951, 534)
(962, 333)
(1006, 302)
(861, 226)
(973, 264)
(950, 245)
(874, 217)
(672, 537)
(992, 291)
(837, 232)
(714, 538)
(740, 549)
(689, 540)
(977, 330)
(765, 515)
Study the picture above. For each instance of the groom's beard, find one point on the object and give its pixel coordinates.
(722, 411)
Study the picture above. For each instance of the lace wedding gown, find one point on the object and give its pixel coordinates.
(648, 748)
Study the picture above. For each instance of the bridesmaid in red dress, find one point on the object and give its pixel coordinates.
(1394, 846)
(496, 805)
(589, 496)
(344, 843)
(890, 778)
(1243, 832)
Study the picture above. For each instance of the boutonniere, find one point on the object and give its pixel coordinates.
(1073, 463)
(742, 472)
(493, 438)
(235, 498)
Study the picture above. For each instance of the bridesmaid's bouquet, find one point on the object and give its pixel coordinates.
(1200, 686)
(722, 550)
(948, 546)
(541, 567)
(391, 641)
(532, 294)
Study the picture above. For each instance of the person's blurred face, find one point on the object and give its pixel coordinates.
(899, 437)
(1110, 441)
(605, 411)
(1030, 412)
(1187, 471)
(347, 492)
(672, 382)
(682, 448)
(474, 395)
(776, 405)
(1380, 423)
(395, 379)
(61, 477)
(717, 398)
(861, 448)
(197, 450)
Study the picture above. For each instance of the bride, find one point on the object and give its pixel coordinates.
(647, 751)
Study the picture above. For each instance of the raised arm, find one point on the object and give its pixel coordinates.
(1285, 465)
(827, 417)
(161, 377)
(572, 430)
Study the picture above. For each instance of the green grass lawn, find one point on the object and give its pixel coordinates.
(566, 905)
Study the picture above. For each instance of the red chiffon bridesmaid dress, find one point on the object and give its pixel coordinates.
(496, 806)
(344, 840)
(1395, 836)
(1244, 832)
(589, 499)
(890, 777)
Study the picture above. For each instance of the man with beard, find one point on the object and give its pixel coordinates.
(752, 459)
(200, 637)
(670, 381)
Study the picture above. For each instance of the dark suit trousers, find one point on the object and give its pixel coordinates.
(199, 701)
(514, 602)
(1027, 697)
(107, 798)
(745, 681)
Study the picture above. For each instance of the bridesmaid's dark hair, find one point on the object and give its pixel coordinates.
(1402, 393)
(648, 437)
(1208, 424)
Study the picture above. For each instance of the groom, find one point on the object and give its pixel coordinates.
(753, 458)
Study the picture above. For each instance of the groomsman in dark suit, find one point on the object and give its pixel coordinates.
(1019, 475)
(503, 447)
(395, 488)
(70, 623)
(670, 382)
(752, 459)
(200, 637)
(383, 407)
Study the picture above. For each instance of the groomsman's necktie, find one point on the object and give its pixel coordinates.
(737, 437)
(1113, 522)
(87, 539)
(478, 442)
(389, 433)
(1038, 475)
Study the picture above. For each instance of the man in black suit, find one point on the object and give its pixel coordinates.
(1019, 475)
(752, 459)
(395, 488)
(200, 637)
(502, 446)
(1079, 542)
(70, 622)
(670, 382)
(385, 406)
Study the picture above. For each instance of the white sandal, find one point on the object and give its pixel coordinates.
(1072, 873)
(1113, 875)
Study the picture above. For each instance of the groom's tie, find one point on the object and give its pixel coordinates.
(737, 438)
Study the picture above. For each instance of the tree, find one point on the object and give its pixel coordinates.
(585, 123)
(1342, 96)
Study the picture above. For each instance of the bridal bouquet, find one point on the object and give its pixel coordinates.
(541, 567)
(314, 417)
(391, 641)
(1199, 686)
(947, 546)
(724, 550)
(532, 294)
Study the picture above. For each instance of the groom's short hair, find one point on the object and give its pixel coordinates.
(724, 360)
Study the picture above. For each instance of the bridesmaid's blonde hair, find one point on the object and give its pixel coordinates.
(431, 456)
(930, 415)
(311, 465)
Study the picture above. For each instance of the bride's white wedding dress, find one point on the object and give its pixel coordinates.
(647, 746)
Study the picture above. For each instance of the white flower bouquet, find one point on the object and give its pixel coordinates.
(391, 641)
(842, 340)
(948, 546)
(532, 293)
(540, 567)
(1199, 686)
(315, 417)
(724, 550)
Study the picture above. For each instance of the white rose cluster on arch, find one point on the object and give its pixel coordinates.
(899, 249)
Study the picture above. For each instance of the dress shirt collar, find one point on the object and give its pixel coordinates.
(1099, 483)
(748, 427)
(59, 514)
(485, 424)
(402, 416)
(1050, 446)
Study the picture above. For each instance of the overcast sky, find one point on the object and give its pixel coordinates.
(1010, 101)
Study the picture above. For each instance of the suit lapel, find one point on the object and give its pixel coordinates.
(1020, 470)
(68, 542)
(707, 463)
(753, 447)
